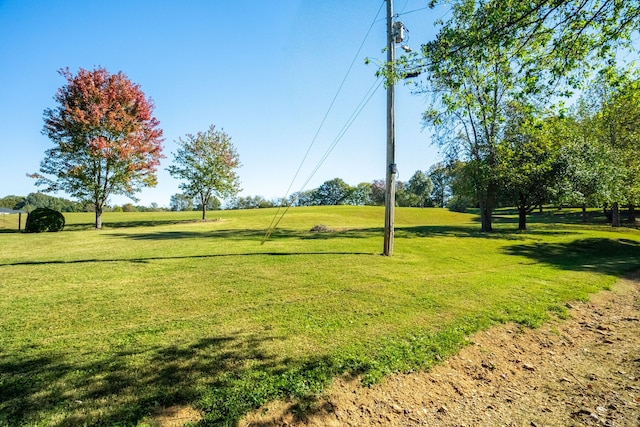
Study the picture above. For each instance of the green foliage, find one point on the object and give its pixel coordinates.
(12, 202)
(39, 200)
(421, 186)
(440, 176)
(206, 164)
(250, 202)
(360, 195)
(491, 54)
(129, 207)
(471, 90)
(181, 202)
(331, 193)
(530, 163)
(44, 219)
(572, 37)
(617, 124)
(459, 203)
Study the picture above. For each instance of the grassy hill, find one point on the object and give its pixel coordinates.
(99, 327)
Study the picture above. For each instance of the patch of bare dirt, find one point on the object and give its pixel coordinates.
(173, 416)
(584, 371)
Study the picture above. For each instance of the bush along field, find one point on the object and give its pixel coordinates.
(162, 309)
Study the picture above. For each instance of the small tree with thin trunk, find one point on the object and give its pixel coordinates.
(106, 139)
(206, 163)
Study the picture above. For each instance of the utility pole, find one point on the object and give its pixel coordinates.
(390, 193)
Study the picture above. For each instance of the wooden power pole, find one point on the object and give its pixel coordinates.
(390, 193)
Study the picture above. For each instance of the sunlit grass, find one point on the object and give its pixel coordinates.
(99, 327)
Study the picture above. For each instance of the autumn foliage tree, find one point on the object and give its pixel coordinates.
(107, 141)
(206, 163)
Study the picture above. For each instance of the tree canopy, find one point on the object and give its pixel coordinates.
(492, 54)
(206, 163)
(106, 140)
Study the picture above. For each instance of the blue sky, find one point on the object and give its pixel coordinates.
(265, 72)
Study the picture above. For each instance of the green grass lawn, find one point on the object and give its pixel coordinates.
(100, 327)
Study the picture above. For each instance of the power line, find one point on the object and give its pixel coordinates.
(315, 137)
(363, 103)
(412, 11)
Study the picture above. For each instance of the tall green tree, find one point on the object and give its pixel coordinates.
(106, 140)
(440, 176)
(206, 163)
(360, 195)
(618, 123)
(332, 192)
(492, 52)
(530, 161)
(421, 186)
(181, 202)
(592, 175)
(470, 91)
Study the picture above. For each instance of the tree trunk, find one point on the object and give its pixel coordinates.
(584, 212)
(204, 212)
(522, 218)
(632, 213)
(485, 217)
(615, 215)
(98, 217)
(522, 213)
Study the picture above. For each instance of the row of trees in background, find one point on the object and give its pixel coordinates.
(423, 189)
(586, 156)
(418, 191)
(39, 200)
(494, 72)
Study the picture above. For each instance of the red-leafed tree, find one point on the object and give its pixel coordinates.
(107, 141)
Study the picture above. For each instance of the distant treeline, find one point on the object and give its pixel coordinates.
(39, 200)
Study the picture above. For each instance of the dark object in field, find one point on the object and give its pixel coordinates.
(44, 219)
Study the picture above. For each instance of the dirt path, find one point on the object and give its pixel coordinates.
(584, 371)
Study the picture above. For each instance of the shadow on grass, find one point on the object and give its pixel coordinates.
(552, 216)
(126, 224)
(161, 258)
(251, 234)
(474, 232)
(351, 233)
(227, 376)
(609, 256)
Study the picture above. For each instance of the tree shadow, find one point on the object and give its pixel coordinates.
(229, 375)
(609, 256)
(83, 226)
(178, 257)
(252, 234)
(474, 232)
(549, 216)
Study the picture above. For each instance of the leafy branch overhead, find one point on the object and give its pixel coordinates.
(572, 37)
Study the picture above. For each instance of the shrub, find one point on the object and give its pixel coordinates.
(44, 219)
(459, 203)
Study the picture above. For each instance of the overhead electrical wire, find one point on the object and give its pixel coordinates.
(275, 221)
(363, 103)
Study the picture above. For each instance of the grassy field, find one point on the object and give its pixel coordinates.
(101, 327)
